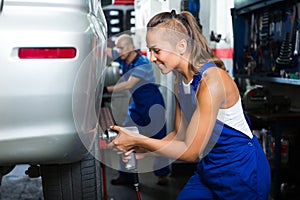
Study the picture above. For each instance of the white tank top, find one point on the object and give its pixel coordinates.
(233, 116)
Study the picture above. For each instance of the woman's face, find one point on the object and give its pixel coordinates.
(162, 52)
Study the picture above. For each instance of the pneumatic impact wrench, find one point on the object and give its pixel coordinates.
(109, 135)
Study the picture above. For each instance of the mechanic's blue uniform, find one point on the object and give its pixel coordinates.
(235, 167)
(145, 95)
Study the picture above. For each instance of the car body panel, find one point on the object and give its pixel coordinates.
(36, 95)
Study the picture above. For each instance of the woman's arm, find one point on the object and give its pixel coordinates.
(210, 97)
(178, 124)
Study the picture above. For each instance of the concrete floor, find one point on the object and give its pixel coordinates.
(149, 190)
(18, 186)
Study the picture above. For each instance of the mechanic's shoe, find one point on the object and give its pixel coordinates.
(162, 180)
(120, 181)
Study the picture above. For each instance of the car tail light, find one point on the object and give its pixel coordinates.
(47, 53)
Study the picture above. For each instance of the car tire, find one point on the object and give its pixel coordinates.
(80, 180)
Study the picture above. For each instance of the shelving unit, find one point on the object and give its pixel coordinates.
(265, 40)
(270, 79)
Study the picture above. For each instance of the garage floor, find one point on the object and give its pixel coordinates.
(18, 186)
(149, 190)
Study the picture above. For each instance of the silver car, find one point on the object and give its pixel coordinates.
(52, 57)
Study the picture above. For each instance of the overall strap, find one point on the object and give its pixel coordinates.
(198, 76)
(206, 66)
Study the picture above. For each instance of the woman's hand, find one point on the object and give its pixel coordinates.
(125, 141)
(127, 156)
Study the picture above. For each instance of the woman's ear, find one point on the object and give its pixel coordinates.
(181, 46)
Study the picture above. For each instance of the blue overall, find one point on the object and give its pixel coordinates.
(144, 95)
(235, 167)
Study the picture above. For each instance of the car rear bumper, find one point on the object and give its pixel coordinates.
(36, 148)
